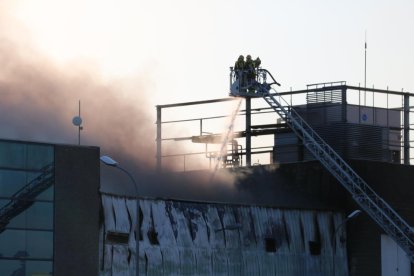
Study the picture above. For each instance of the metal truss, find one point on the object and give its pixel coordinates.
(24, 198)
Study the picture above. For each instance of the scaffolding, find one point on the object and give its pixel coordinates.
(358, 107)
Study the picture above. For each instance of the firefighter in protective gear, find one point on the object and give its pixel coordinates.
(249, 63)
(257, 62)
(250, 71)
(239, 65)
(239, 70)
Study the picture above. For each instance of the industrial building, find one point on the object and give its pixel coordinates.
(303, 208)
(49, 209)
(332, 147)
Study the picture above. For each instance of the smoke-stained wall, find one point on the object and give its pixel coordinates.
(179, 237)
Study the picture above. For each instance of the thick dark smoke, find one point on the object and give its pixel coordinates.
(39, 100)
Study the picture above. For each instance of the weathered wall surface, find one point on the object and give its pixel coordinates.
(307, 186)
(179, 237)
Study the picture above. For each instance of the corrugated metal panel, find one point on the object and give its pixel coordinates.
(339, 247)
(334, 96)
(295, 240)
(182, 238)
(203, 264)
(355, 141)
(320, 114)
(182, 225)
(230, 228)
(214, 224)
(132, 210)
(248, 236)
(120, 264)
(357, 132)
(109, 224)
(219, 261)
(153, 261)
(162, 225)
(170, 260)
(109, 216)
(188, 262)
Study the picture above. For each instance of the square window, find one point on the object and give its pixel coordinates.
(270, 245)
(315, 247)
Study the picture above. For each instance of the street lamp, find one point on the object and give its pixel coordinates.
(112, 163)
(352, 215)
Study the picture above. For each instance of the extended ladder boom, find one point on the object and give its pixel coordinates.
(366, 197)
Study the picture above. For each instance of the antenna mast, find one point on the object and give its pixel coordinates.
(365, 70)
(77, 121)
(79, 127)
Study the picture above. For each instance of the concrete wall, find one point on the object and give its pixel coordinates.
(77, 206)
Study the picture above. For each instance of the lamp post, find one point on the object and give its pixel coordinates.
(112, 163)
(349, 217)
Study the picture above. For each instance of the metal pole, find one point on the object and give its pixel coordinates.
(344, 105)
(138, 226)
(340, 226)
(359, 104)
(158, 165)
(365, 70)
(406, 130)
(79, 127)
(248, 132)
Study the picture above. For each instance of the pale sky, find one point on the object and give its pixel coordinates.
(181, 50)
(185, 47)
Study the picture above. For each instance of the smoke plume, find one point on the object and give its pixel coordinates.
(39, 99)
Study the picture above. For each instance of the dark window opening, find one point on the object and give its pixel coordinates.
(270, 245)
(153, 236)
(129, 256)
(117, 237)
(141, 219)
(395, 156)
(315, 248)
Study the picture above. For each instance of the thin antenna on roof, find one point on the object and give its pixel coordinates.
(365, 69)
(77, 121)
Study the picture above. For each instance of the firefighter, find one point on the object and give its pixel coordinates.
(249, 67)
(239, 63)
(257, 62)
(249, 63)
(250, 72)
(239, 69)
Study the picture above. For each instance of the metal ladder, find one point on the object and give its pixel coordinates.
(379, 210)
(24, 198)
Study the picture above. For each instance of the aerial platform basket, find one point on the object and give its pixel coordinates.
(250, 83)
